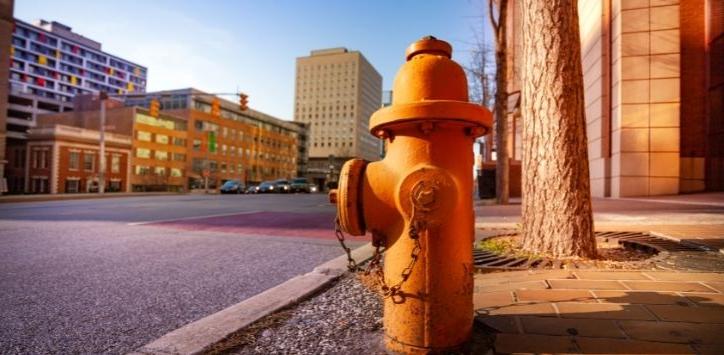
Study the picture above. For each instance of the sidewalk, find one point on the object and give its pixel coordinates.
(81, 196)
(695, 218)
(562, 311)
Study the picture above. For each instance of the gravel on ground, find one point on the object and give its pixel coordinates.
(344, 319)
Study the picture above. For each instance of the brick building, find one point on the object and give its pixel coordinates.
(65, 159)
(158, 159)
(654, 93)
(251, 146)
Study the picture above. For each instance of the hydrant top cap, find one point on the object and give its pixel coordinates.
(431, 45)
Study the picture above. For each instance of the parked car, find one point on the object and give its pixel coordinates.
(281, 186)
(252, 189)
(299, 185)
(313, 188)
(266, 187)
(232, 187)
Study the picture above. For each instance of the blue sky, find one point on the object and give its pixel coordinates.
(219, 46)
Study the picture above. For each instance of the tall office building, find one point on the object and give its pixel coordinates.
(336, 92)
(50, 64)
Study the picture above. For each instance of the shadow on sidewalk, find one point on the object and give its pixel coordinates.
(567, 321)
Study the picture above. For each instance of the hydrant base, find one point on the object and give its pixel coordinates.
(395, 347)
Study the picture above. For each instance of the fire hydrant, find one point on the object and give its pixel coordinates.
(417, 201)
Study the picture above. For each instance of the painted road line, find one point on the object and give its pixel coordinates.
(190, 218)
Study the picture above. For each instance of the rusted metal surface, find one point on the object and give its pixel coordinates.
(417, 201)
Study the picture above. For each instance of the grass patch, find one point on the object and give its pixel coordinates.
(504, 246)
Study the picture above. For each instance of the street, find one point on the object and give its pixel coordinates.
(109, 275)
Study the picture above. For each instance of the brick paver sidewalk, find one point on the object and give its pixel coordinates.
(564, 311)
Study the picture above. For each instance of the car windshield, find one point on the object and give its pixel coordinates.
(230, 184)
(266, 184)
(300, 181)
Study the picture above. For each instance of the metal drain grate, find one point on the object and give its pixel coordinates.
(657, 246)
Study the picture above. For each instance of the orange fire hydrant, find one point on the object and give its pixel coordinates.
(417, 201)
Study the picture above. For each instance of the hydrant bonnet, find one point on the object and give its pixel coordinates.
(430, 87)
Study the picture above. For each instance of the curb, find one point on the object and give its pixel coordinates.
(196, 337)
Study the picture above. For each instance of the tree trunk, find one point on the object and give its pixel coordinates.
(557, 217)
(502, 166)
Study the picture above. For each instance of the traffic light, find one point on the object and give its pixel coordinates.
(243, 101)
(155, 106)
(216, 107)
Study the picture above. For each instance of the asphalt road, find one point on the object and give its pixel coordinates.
(109, 275)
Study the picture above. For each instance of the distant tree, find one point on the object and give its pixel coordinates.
(498, 13)
(481, 73)
(557, 216)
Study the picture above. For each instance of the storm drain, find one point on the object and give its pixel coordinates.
(659, 248)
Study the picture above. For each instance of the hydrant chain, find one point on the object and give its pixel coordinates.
(351, 263)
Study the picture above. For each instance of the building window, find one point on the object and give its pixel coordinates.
(176, 172)
(143, 153)
(115, 164)
(39, 185)
(72, 186)
(161, 171)
(179, 157)
(160, 155)
(142, 170)
(197, 145)
(89, 160)
(74, 160)
(143, 136)
(161, 138)
(179, 141)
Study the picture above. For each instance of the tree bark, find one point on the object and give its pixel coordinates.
(502, 165)
(557, 216)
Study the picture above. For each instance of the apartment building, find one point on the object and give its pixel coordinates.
(653, 94)
(336, 92)
(50, 64)
(249, 145)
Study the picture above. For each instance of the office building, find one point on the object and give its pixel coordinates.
(249, 145)
(653, 95)
(158, 144)
(336, 92)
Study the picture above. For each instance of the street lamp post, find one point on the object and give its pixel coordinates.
(102, 158)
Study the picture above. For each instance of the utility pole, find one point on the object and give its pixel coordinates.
(102, 156)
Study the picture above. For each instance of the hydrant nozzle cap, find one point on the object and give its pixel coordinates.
(430, 45)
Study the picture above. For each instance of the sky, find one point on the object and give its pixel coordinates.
(251, 46)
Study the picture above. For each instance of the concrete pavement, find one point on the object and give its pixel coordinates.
(77, 278)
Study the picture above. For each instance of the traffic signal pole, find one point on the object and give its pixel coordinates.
(102, 149)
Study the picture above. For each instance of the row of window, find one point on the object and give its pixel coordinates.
(160, 138)
(47, 41)
(89, 162)
(230, 150)
(159, 155)
(145, 170)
